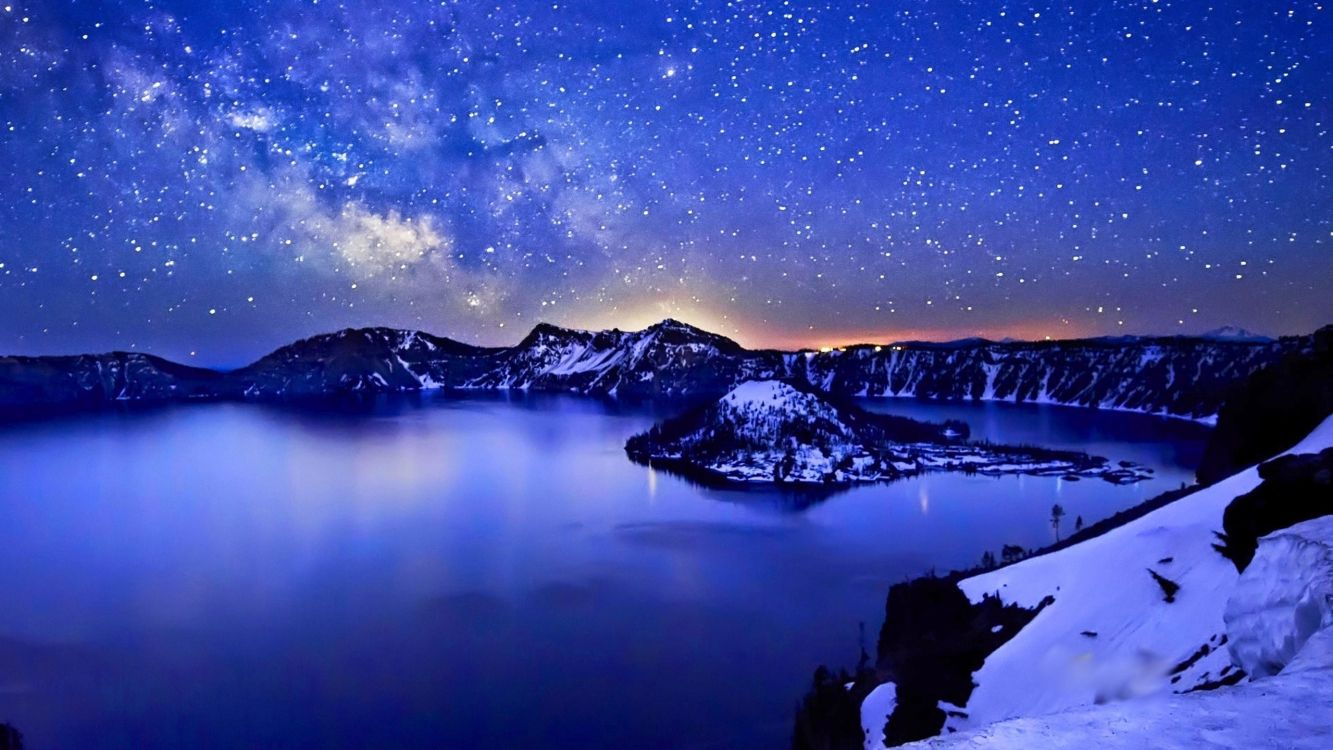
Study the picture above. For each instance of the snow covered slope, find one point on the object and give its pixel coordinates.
(1291, 712)
(1279, 626)
(1110, 633)
(1103, 586)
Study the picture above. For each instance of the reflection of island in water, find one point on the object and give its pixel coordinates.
(774, 434)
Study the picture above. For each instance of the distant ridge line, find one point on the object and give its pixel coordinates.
(1181, 376)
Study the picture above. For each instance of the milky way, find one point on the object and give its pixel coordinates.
(210, 179)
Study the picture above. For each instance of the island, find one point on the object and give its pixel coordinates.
(776, 432)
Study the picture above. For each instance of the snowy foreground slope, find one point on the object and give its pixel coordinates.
(1107, 662)
(1293, 711)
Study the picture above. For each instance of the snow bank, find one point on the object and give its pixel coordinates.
(1282, 598)
(1292, 712)
(1316, 654)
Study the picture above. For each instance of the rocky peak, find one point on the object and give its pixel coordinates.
(549, 333)
(375, 341)
(673, 332)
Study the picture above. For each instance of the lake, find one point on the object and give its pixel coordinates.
(438, 571)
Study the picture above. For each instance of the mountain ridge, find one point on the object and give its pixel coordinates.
(1173, 375)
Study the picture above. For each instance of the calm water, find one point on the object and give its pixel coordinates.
(466, 573)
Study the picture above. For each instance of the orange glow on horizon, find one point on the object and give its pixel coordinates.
(761, 335)
(1034, 331)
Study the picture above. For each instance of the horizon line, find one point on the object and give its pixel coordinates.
(824, 348)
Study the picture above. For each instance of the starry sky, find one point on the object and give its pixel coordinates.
(207, 179)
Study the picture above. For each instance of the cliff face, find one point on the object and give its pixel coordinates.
(1187, 377)
(366, 360)
(1271, 411)
(1179, 376)
(90, 379)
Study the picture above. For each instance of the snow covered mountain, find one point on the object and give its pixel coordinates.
(360, 360)
(1180, 376)
(1150, 614)
(770, 431)
(1235, 333)
(668, 358)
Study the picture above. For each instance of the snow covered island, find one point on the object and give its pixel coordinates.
(769, 431)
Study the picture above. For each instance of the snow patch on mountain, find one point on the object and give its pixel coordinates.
(767, 431)
(770, 394)
(1235, 333)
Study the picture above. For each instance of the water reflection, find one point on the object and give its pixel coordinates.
(420, 571)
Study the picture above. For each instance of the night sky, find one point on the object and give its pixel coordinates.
(207, 179)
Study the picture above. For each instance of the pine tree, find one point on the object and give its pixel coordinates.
(1057, 513)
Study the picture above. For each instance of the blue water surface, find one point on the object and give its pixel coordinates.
(451, 572)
